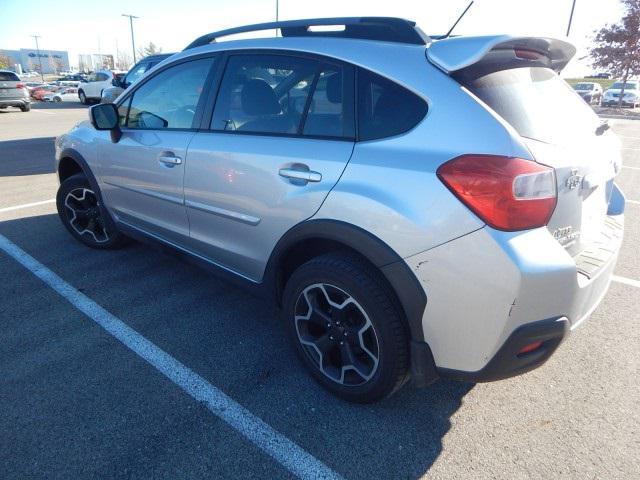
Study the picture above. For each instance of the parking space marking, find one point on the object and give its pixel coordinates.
(290, 455)
(632, 202)
(631, 168)
(626, 281)
(26, 205)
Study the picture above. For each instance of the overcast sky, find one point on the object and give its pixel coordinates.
(96, 26)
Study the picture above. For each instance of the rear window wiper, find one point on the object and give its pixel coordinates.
(604, 126)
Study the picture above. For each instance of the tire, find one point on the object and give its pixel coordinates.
(83, 216)
(355, 317)
(57, 99)
(82, 97)
(26, 107)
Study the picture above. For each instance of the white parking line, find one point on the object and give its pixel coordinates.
(626, 281)
(632, 202)
(280, 448)
(631, 168)
(27, 205)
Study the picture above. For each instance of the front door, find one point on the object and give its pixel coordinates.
(142, 175)
(281, 135)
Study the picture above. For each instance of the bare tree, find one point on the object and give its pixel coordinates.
(145, 51)
(617, 46)
(123, 60)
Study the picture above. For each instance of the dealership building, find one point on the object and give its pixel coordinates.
(26, 59)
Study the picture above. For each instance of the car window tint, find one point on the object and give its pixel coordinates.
(263, 93)
(385, 108)
(8, 77)
(331, 112)
(169, 99)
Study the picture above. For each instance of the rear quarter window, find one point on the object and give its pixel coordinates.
(9, 77)
(385, 108)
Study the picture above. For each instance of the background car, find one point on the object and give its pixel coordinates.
(590, 92)
(134, 74)
(13, 92)
(69, 94)
(631, 96)
(91, 89)
(39, 92)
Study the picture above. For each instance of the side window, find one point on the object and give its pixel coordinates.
(101, 77)
(263, 93)
(385, 108)
(331, 112)
(169, 99)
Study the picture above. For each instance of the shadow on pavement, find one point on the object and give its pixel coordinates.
(56, 105)
(31, 156)
(233, 340)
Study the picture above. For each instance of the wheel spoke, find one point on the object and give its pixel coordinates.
(351, 362)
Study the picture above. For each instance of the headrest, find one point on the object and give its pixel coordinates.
(258, 98)
(334, 88)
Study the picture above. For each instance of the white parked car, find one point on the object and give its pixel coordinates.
(64, 95)
(630, 98)
(91, 90)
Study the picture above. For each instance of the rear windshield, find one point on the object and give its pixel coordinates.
(628, 86)
(536, 102)
(9, 77)
(583, 86)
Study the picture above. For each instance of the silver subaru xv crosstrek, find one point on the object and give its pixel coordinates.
(418, 206)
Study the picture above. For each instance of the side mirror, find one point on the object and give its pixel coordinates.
(104, 116)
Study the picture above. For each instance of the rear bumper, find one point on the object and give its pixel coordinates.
(508, 361)
(488, 291)
(14, 102)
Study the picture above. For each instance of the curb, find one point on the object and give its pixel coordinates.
(620, 117)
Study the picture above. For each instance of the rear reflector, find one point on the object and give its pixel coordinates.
(507, 193)
(530, 348)
(20, 85)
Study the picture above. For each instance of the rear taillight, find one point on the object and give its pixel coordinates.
(506, 193)
(20, 85)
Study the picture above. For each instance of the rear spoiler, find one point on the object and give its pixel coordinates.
(456, 53)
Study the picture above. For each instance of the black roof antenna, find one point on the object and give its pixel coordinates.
(448, 34)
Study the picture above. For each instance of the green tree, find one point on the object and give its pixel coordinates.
(4, 61)
(147, 50)
(617, 47)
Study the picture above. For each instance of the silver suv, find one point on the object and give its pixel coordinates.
(417, 206)
(13, 92)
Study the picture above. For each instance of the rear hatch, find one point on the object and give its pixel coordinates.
(518, 79)
(10, 86)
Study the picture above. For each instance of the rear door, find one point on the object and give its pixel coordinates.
(281, 135)
(142, 174)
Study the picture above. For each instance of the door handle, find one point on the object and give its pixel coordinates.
(170, 160)
(305, 175)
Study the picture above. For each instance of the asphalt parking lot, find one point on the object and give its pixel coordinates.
(132, 364)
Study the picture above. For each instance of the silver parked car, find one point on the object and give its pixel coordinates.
(419, 207)
(13, 92)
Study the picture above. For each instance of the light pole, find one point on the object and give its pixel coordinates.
(39, 58)
(133, 42)
(277, 13)
(573, 7)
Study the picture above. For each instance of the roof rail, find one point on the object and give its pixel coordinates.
(388, 29)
